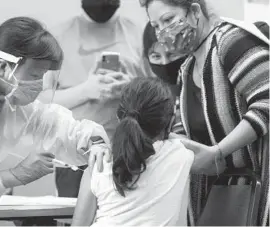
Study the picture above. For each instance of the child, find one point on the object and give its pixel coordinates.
(147, 181)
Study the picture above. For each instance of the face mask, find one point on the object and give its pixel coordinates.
(100, 10)
(27, 91)
(169, 72)
(179, 37)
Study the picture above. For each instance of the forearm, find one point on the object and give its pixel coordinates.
(242, 135)
(69, 98)
(85, 211)
(8, 180)
(72, 97)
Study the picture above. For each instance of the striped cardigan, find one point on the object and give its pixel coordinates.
(235, 86)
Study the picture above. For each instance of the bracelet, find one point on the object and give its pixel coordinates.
(219, 156)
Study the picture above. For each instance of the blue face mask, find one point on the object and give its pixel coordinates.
(26, 91)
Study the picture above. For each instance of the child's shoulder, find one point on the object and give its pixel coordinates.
(177, 150)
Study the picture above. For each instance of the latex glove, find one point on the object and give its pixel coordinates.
(33, 167)
(89, 129)
(207, 158)
(98, 154)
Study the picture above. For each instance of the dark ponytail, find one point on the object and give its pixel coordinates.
(133, 147)
(145, 111)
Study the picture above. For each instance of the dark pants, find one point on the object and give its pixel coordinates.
(68, 181)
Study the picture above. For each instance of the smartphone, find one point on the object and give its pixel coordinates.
(110, 61)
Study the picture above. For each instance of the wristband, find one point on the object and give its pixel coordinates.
(219, 157)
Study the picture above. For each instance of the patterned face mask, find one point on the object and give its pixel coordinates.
(179, 37)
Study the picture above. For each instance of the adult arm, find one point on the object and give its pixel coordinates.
(250, 77)
(7, 180)
(69, 97)
(246, 63)
(53, 126)
(33, 167)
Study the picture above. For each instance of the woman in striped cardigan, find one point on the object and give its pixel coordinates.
(223, 102)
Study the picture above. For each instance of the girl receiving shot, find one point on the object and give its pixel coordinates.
(147, 181)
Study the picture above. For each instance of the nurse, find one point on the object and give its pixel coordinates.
(30, 60)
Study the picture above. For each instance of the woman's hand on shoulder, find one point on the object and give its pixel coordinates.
(207, 158)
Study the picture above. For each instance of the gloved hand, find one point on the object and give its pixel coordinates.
(33, 167)
(99, 153)
(89, 129)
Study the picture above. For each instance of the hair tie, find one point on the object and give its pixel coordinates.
(133, 114)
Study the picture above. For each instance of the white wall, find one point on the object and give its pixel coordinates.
(53, 12)
(228, 8)
(257, 11)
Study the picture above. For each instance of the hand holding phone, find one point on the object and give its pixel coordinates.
(110, 61)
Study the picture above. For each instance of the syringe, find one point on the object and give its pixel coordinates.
(73, 167)
(56, 161)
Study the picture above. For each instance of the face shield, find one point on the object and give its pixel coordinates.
(22, 81)
(8, 82)
(50, 84)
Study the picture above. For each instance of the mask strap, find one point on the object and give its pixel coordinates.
(204, 40)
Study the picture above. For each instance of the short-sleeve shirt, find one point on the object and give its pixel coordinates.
(161, 194)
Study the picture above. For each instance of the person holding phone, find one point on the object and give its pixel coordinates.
(85, 87)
